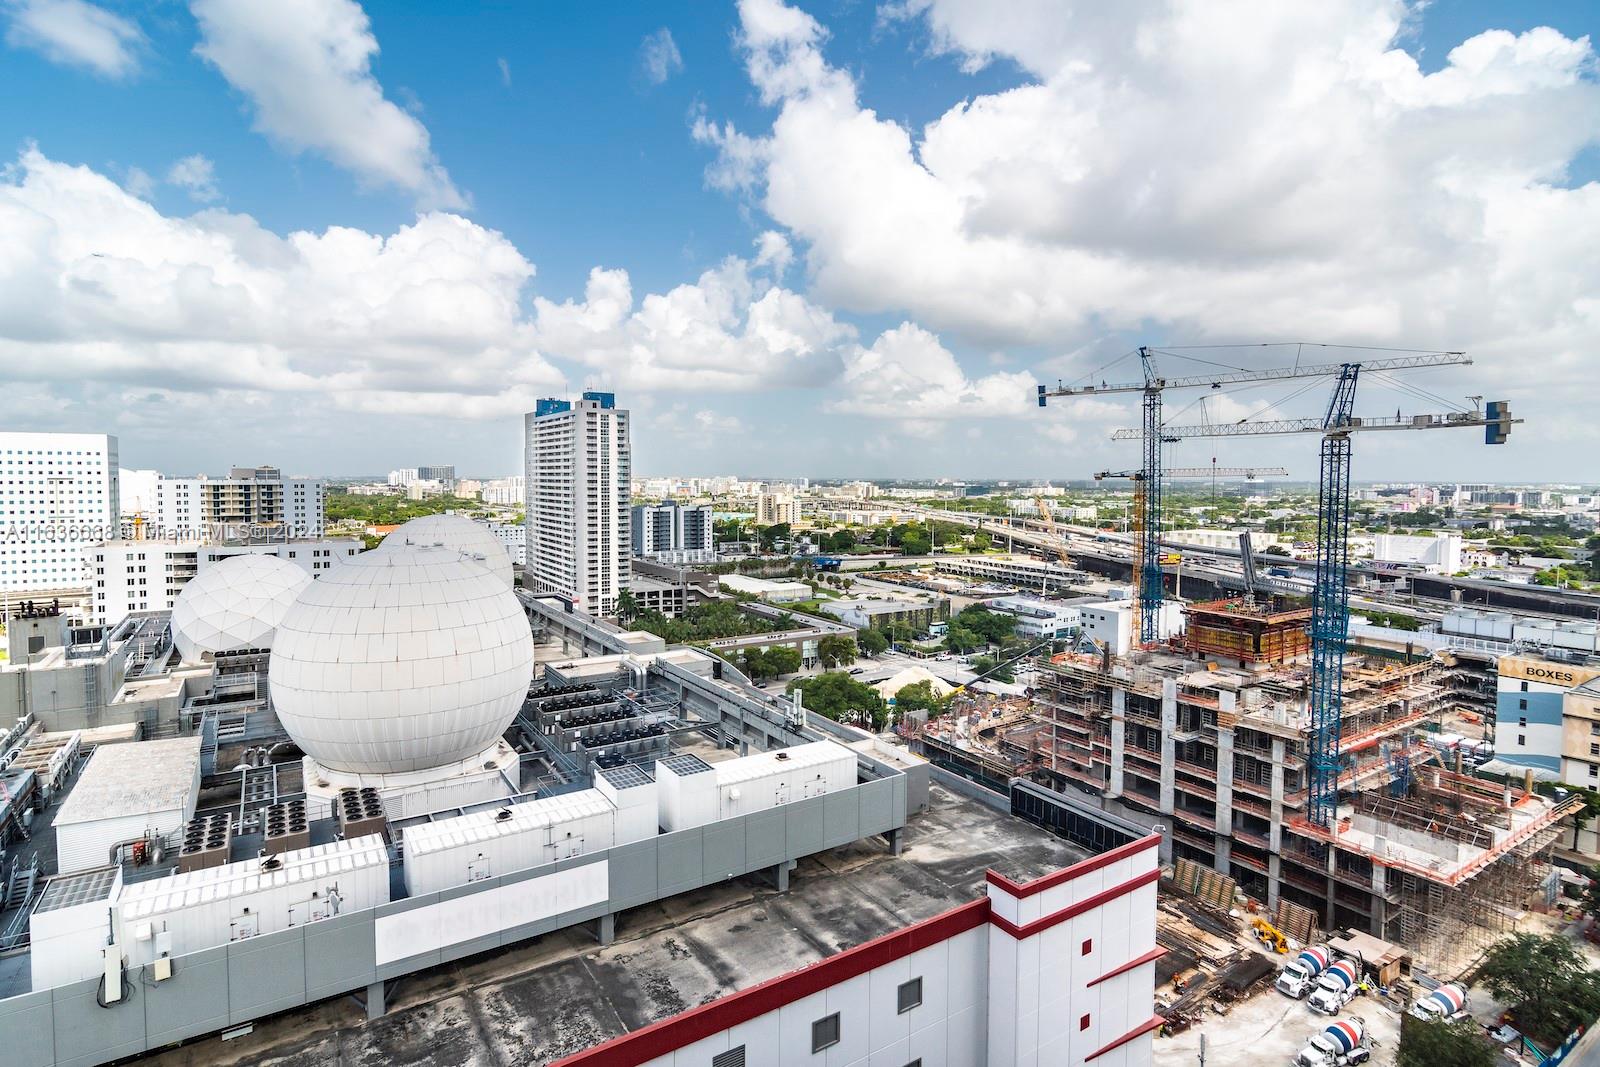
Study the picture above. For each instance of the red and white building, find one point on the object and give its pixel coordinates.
(1056, 972)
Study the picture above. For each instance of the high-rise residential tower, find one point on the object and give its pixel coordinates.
(578, 470)
(58, 496)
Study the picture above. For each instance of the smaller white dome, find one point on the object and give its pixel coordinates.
(235, 604)
(455, 532)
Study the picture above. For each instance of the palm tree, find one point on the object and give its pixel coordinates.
(627, 606)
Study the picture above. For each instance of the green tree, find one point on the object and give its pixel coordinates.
(960, 639)
(756, 664)
(836, 650)
(782, 659)
(627, 606)
(843, 699)
(1546, 981)
(872, 642)
(1426, 1043)
(916, 544)
(920, 696)
(989, 667)
(993, 626)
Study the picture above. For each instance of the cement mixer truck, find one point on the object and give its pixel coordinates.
(1300, 973)
(1443, 1005)
(1336, 987)
(1342, 1044)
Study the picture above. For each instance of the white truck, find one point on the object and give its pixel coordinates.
(1342, 1044)
(1445, 1004)
(1336, 987)
(1300, 973)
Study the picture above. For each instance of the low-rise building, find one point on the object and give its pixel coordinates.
(779, 592)
(866, 614)
(1036, 618)
(1530, 709)
(126, 577)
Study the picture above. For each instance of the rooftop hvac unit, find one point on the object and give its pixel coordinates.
(207, 841)
(360, 812)
(287, 827)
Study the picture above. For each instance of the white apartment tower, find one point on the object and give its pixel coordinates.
(58, 497)
(578, 473)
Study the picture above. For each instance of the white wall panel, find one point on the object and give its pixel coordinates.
(850, 1000)
(450, 922)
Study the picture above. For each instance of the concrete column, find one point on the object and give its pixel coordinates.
(1274, 872)
(375, 1001)
(1275, 831)
(896, 841)
(1380, 907)
(1223, 864)
(1119, 734)
(1169, 725)
(1225, 780)
(605, 928)
(1333, 884)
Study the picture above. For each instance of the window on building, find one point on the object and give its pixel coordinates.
(1522, 720)
(1083, 1023)
(825, 1033)
(1594, 729)
(1594, 770)
(734, 1057)
(1088, 946)
(1524, 687)
(908, 996)
(1594, 749)
(1522, 739)
(1522, 705)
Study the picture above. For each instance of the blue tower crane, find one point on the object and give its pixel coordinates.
(1330, 598)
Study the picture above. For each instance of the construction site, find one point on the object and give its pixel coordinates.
(1279, 758)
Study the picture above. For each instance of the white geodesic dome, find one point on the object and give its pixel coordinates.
(403, 660)
(236, 603)
(452, 531)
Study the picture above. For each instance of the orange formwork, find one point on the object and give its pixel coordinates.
(1248, 631)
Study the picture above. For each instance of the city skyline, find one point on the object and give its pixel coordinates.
(373, 225)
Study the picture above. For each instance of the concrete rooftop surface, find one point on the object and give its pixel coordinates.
(562, 993)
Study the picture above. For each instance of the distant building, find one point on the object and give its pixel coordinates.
(1435, 553)
(678, 531)
(515, 538)
(773, 509)
(879, 614)
(1038, 619)
(138, 576)
(578, 469)
(59, 495)
(443, 472)
(764, 589)
(1111, 623)
(512, 492)
(250, 504)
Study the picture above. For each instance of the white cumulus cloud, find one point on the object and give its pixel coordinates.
(306, 67)
(76, 33)
(1248, 170)
(97, 285)
(909, 374)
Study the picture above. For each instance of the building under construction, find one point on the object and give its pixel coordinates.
(1208, 736)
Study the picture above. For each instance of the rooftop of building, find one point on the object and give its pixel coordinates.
(134, 779)
(561, 994)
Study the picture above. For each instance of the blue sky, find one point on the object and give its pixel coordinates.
(895, 287)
